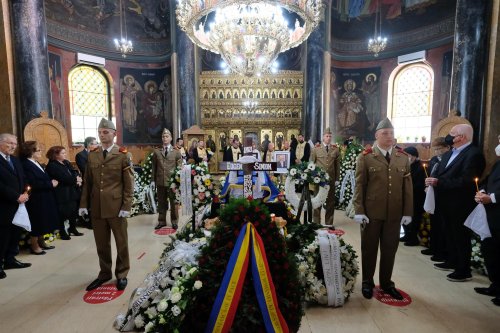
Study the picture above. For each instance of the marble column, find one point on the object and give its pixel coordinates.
(8, 118)
(29, 39)
(313, 113)
(470, 56)
(187, 79)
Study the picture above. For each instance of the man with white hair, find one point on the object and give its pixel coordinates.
(455, 187)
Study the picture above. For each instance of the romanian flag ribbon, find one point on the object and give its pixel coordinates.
(229, 294)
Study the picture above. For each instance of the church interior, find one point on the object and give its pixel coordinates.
(66, 64)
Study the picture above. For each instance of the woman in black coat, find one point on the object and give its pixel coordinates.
(67, 192)
(42, 207)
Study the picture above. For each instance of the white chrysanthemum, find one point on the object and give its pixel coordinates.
(175, 297)
(151, 312)
(175, 272)
(162, 305)
(293, 172)
(202, 188)
(311, 166)
(316, 180)
(176, 310)
(303, 176)
(197, 284)
(139, 321)
(149, 326)
(195, 192)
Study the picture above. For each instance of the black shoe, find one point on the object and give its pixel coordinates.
(2, 274)
(37, 253)
(427, 252)
(412, 243)
(444, 267)
(394, 293)
(121, 284)
(74, 232)
(485, 291)
(457, 277)
(160, 225)
(437, 258)
(64, 235)
(174, 225)
(367, 292)
(496, 301)
(15, 264)
(403, 239)
(96, 283)
(47, 247)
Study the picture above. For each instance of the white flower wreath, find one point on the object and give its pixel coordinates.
(307, 262)
(305, 174)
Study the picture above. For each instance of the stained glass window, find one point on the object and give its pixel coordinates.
(412, 103)
(89, 101)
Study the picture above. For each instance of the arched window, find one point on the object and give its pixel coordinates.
(89, 96)
(411, 113)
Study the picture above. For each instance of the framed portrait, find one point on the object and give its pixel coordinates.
(282, 159)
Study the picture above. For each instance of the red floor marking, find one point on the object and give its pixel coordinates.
(142, 255)
(103, 294)
(386, 299)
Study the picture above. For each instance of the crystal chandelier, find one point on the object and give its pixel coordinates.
(250, 105)
(378, 43)
(248, 34)
(124, 45)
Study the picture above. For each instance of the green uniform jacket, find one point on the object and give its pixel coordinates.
(383, 191)
(109, 183)
(164, 166)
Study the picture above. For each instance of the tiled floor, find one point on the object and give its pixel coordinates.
(48, 297)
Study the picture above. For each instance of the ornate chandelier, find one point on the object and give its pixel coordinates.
(378, 43)
(248, 34)
(124, 45)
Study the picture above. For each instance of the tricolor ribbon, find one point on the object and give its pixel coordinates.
(229, 294)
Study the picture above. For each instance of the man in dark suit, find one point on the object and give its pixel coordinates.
(232, 153)
(489, 196)
(81, 158)
(455, 189)
(11, 195)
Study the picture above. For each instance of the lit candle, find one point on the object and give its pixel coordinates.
(27, 190)
(425, 169)
(477, 187)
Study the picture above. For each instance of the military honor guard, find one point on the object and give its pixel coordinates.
(383, 201)
(165, 160)
(108, 188)
(326, 156)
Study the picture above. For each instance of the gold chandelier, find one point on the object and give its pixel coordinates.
(248, 34)
(124, 45)
(378, 43)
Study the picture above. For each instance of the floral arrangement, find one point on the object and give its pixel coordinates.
(25, 239)
(143, 193)
(477, 259)
(215, 256)
(344, 192)
(202, 185)
(424, 229)
(303, 242)
(305, 174)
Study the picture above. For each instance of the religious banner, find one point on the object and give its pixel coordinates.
(146, 104)
(355, 105)
(56, 88)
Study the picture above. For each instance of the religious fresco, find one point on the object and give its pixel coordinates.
(355, 103)
(56, 88)
(146, 104)
(444, 97)
(94, 24)
(410, 25)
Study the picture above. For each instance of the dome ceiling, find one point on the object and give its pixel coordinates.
(91, 26)
(410, 25)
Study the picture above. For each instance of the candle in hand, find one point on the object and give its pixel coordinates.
(477, 187)
(28, 189)
(425, 169)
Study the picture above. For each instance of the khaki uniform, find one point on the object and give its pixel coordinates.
(163, 167)
(108, 187)
(328, 161)
(384, 193)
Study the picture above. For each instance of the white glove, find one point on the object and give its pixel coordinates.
(123, 213)
(405, 220)
(361, 219)
(83, 211)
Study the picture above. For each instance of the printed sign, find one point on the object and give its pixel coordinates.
(103, 294)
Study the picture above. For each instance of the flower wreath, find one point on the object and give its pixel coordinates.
(202, 185)
(305, 174)
(303, 242)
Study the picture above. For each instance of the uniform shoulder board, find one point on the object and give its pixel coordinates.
(401, 151)
(123, 150)
(333, 145)
(367, 151)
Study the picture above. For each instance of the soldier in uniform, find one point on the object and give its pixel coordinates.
(383, 201)
(108, 188)
(326, 156)
(165, 160)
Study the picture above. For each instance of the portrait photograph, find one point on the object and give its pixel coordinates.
(282, 159)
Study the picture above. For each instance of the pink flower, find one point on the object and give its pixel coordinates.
(201, 195)
(193, 172)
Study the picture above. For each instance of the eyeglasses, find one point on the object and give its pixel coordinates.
(38, 150)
